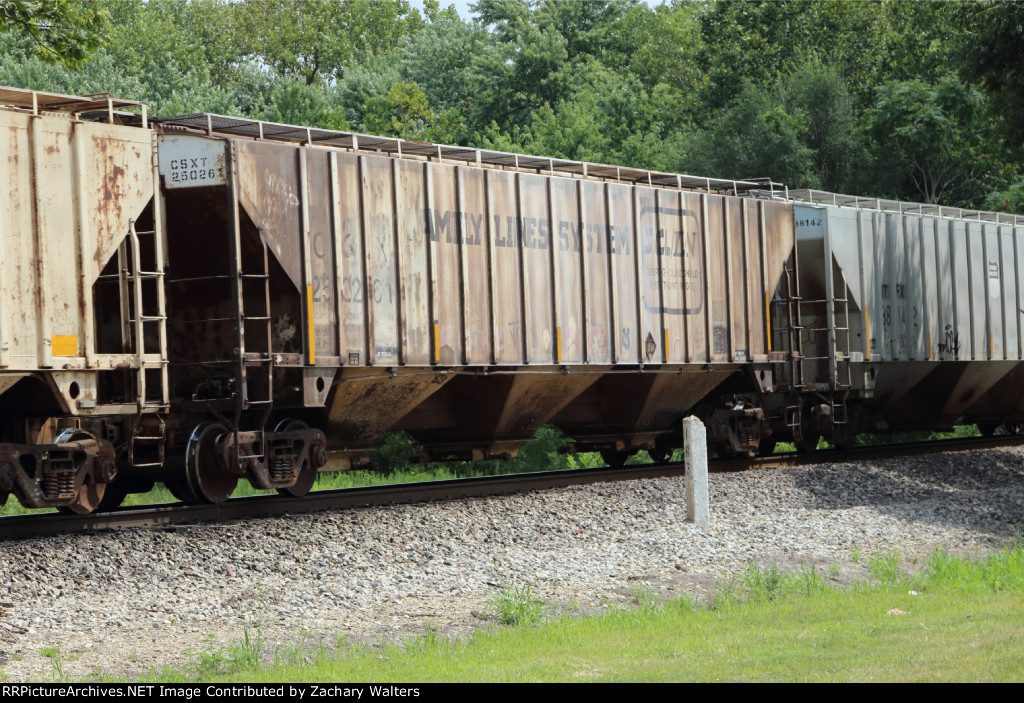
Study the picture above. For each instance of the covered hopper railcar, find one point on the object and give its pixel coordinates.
(200, 299)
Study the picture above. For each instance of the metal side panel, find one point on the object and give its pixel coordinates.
(538, 284)
(717, 276)
(979, 275)
(1008, 272)
(445, 264)
(71, 190)
(779, 239)
(902, 327)
(506, 264)
(413, 274)
(321, 254)
(381, 279)
(651, 338)
(944, 342)
(869, 288)
(476, 279)
(996, 346)
(739, 312)
(758, 292)
(18, 314)
(959, 338)
(914, 291)
(845, 244)
(269, 190)
(351, 243)
(681, 253)
(597, 322)
(933, 289)
(116, 182)
(568, 264)
(883, 287)
(628, 342)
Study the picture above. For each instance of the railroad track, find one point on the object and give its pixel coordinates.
(44, 524)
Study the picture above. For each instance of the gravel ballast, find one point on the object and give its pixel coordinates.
(125, 603)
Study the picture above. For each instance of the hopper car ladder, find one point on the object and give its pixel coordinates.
(836, 362)
(786, 306)
(137, 327)
(243, 366)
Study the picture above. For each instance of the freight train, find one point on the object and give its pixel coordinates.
(201, 299)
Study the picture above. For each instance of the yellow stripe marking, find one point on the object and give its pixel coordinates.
(558, 337)
(309, 315)
(64, 344)
(437, 342)
(867, 329)
(666, 345)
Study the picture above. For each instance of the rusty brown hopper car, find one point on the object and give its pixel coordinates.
(464, 296)
(200, 299)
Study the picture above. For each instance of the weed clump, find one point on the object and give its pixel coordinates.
(516, 605)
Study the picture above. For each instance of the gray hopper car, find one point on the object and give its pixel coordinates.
(199, 299)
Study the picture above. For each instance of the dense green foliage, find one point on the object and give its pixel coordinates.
(920, 101)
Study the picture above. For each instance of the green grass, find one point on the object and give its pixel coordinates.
(515, 604)
(957, 620)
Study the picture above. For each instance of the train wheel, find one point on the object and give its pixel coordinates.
(207, 481)
(180, 490)
(613, 458)
(121, 489)
(809, 437)
(86, 500)
(987, 429)
(113, 496)
(91, 492)
(307, 474)
(810, 434)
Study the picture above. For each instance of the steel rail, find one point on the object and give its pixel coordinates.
(46, 524)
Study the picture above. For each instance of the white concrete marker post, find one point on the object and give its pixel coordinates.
(696, 445)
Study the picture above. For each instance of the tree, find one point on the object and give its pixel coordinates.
(60, 30)
(404, 112)
(442, 59)
(870, 42)
(755, 136)
(291, 101)
(819, 93)
(313, 40)
(992, 50)
(659, 46)
(932, 140)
